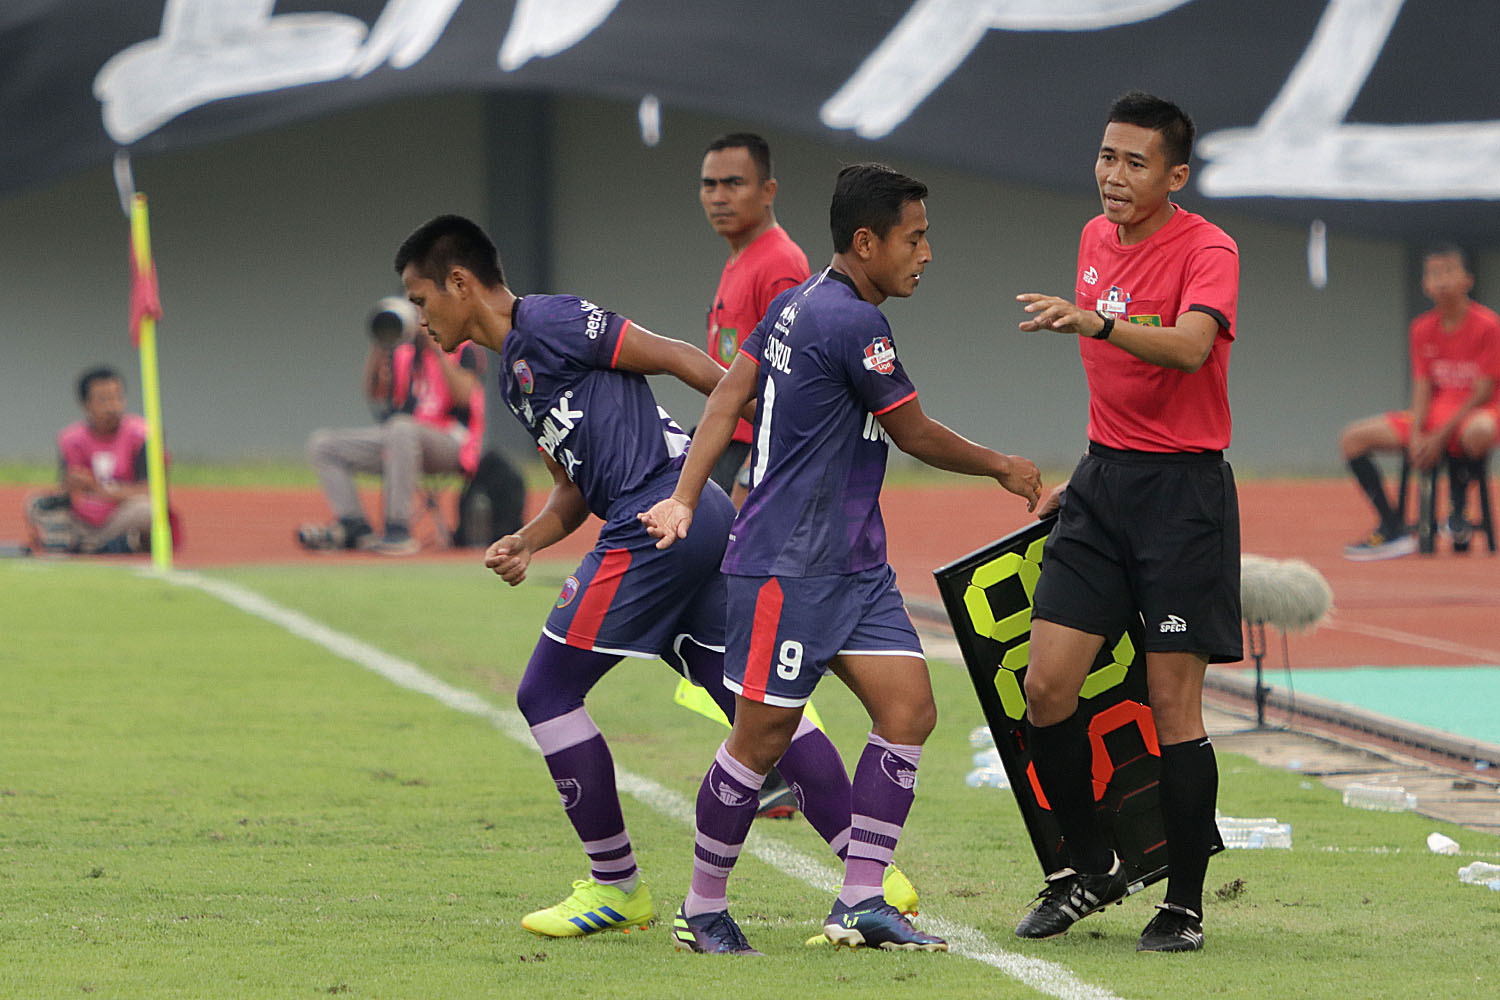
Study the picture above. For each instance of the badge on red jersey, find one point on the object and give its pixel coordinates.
(523, 376)
(1113, 302)
(880, 356)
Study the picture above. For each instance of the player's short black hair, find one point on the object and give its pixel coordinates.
(99, 373)
(869, 196)
(1136, 107)
(1448, 250)
(758, 148)
(450, 241)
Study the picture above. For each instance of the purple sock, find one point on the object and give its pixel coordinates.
(584, 771)
(815, 771)
(727, 801)
(884, 785)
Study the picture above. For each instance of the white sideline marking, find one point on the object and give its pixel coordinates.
(1047, 977)
(1486, 656)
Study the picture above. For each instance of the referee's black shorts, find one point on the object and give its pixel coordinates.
(1148, 534)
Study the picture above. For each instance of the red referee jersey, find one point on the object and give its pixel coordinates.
(1189, 264)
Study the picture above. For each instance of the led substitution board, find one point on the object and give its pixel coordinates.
(988, 598)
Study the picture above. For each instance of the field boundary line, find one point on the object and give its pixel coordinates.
(969, 942)
(1488, 656)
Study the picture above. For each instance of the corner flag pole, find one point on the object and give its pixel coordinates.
(145, 309)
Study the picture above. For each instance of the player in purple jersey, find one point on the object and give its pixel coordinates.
(574, 375)
(809, 587)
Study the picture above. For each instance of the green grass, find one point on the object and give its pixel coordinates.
(194, 803)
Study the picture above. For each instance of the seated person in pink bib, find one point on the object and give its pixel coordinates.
(105, 506)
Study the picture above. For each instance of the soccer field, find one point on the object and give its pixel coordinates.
(313, 781)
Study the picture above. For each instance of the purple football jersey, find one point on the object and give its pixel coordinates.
(828, 367)
(602, 425)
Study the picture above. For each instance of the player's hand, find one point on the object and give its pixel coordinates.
(1022, 478)
(509, 557)
(1050, 505)
(668, 521)
(1052, 313)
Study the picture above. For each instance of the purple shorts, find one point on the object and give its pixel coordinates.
(630, 598)
(784, 630)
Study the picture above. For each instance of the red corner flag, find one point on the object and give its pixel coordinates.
(144, 298)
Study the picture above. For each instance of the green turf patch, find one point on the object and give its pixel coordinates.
(195, 803)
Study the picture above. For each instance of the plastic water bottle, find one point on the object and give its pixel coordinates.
(1480, 873)
(987, 777)
(1254, 834)
(1382, 798)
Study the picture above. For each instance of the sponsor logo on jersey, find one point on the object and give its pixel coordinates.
(1114, 302)
(1148, 319)
(880, 355)
(558, 424)
(873, 431)
(569, 791)
(523, 376)
(1090, 277)
(899, 771)
(597, 319)
(569, 591)
(788, 317)
(1174, 624)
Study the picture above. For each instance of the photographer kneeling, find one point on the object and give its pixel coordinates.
(430, 411)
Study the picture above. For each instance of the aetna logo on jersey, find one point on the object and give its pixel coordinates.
(880, 355)
(597, 319)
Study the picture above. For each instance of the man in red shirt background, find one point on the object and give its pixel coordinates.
(1455, 365)
(738, 194)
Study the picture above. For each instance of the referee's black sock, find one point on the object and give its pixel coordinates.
(1189, 788)
(1063, 760)
(1367, 474)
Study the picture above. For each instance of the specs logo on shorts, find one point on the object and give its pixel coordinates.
(569, 591)
(880, 356)
(1091, 277)
(1114, 302)
(570, 791)
(523, 376)
(1174, 624)
(898, 770)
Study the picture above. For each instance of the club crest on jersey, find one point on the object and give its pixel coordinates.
(880, 355)
(1091, 277)
(569, 791)
(569, 591)
(1114, 302)
(523, 376)
(898, 770)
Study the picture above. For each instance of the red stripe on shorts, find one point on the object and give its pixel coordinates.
(597, 598)
(763, 640)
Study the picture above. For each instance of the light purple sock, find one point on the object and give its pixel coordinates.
(584, 772)
(884, 785)
(727, 801)
(815, 771)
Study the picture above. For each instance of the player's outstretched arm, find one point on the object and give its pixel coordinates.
(646, 353)
(559, 517)
(1184, 347)
(669, 519)
(924, 438)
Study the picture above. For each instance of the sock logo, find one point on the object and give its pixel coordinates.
(797, 794)
(725, 792)
(569, 790)
(898, 770)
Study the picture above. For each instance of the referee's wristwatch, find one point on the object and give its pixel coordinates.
(1108, 328)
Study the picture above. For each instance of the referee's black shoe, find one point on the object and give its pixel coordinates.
(1174, 928)
(1068, 897)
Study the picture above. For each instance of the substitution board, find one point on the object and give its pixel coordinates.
(987, 595)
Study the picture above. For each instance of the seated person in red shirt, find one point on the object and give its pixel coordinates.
(105, 506)
(430, 405)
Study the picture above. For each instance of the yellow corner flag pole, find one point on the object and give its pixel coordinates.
(144, 309)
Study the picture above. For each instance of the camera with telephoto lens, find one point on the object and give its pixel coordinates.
(392, 320)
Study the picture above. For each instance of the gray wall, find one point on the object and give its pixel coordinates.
(272, 248)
